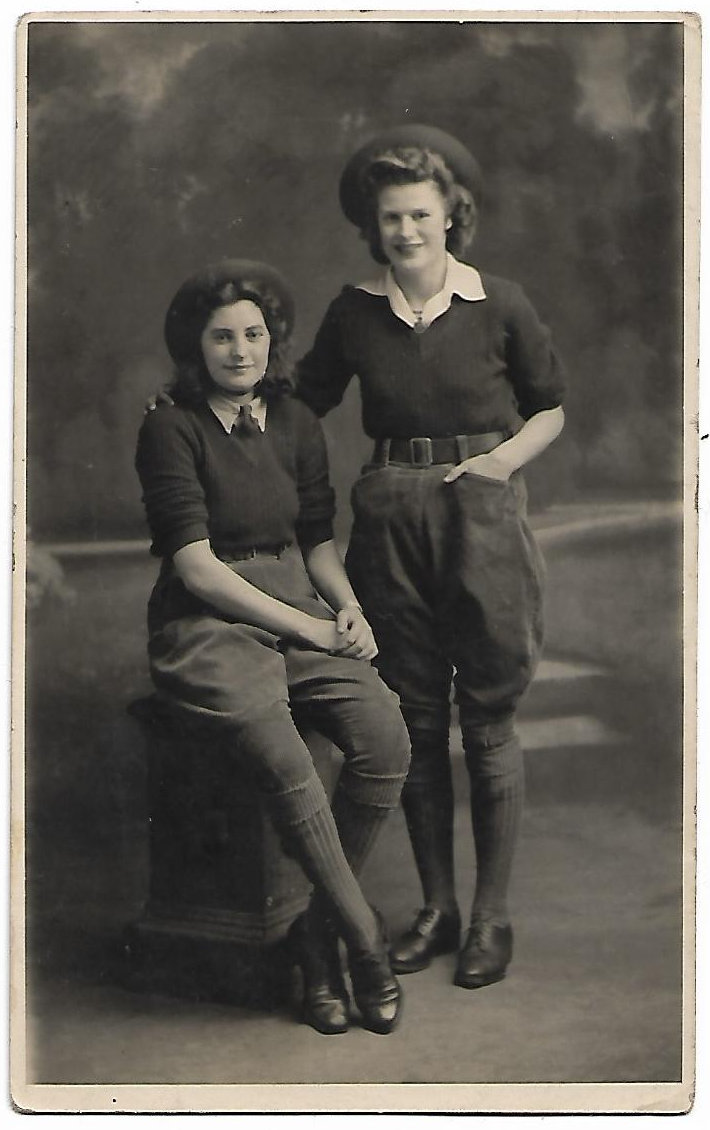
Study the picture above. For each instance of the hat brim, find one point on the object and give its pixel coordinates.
(456, 156)
(188, 307)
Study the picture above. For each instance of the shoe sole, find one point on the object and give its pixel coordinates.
(479, 983)
(324, 1031)
(383, 1029)
(404, 969)
(401, 967)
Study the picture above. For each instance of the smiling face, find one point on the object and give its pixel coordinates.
(413, 222)
(235, 346)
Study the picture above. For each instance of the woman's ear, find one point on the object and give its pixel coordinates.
(448, 224)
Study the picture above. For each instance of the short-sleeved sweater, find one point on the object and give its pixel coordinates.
(481, 366)
(238, 490)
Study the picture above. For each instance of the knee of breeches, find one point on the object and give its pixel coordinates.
(429, 765)
(492, 749)
(272, 750)
(378, 741)
(427, 717)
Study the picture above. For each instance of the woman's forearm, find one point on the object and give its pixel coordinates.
(536, 434)
(212, 581)
(327, 573)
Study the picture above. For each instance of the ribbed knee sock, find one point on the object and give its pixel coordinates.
(303, 816)
(497, 794)
(428, 803)
(361, 804)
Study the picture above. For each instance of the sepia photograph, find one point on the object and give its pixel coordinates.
(354, 608)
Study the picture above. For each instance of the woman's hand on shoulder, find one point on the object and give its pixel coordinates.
(158, 398)
(489, 466)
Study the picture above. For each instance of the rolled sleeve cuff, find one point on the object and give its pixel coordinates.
(169, 544)
(311, 534)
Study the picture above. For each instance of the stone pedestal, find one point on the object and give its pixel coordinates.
(222, 893)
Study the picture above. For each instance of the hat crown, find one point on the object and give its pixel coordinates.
(461, 162)
(195, 300)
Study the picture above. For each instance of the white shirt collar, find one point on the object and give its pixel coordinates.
(461, 279)
(226, 412)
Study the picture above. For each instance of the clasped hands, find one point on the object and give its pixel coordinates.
(349, 635)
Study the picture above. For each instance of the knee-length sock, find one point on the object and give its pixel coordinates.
(282, 767)
(361, 804)
(428, 803)
(497, 794)
(304, 818)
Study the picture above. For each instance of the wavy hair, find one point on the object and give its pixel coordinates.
(191, 383)
(412, 165)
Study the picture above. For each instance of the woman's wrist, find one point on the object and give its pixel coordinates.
(505, 457)
(351, 604)
(304, 628)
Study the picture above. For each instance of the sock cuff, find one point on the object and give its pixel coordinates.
(492, 750)
(300, 802)
(382, 791)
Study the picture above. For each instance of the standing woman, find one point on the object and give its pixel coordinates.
(460, 388)
(236, 489)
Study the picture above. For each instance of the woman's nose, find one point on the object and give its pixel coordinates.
(407, 226)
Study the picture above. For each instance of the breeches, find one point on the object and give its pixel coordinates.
(450, 578)
(248, 681)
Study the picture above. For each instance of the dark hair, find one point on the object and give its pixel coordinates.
(191, 383)
(412, 165)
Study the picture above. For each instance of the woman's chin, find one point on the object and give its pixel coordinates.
(414, 261)
(236, 388)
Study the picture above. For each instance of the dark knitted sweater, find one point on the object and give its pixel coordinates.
(481, 366)
(239, 490)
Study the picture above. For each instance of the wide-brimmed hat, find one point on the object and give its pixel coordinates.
(194, 302)
(460, 161)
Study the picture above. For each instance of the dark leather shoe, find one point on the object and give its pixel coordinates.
(485, 955)
(375, 989)
(325, 1002)
(432, 932)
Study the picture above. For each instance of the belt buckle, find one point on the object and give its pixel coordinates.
(420, 451)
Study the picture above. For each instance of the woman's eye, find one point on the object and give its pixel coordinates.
(254, 335)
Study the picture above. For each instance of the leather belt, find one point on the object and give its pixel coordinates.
(238, 553)
(425, 451)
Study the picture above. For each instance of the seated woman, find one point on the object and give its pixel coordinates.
(237, 496)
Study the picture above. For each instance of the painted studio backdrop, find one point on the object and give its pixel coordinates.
(156, 147)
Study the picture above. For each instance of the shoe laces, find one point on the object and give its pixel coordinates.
(430, 918)
(482, 930)
(426, 920)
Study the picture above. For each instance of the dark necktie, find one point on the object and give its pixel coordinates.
(245, 423)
